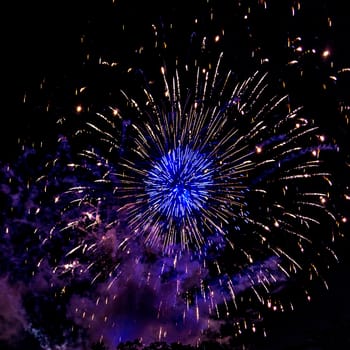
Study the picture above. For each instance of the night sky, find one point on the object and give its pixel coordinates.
(50, 41)
(51, 48)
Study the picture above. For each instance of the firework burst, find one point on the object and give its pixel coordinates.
(209, 194)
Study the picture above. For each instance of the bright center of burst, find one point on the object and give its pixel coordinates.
(178, 183)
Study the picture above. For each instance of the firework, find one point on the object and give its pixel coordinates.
(178, 209)
(207, 195)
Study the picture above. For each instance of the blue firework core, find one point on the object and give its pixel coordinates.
(177, 184)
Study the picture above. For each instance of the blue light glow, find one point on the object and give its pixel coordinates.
(177, 185)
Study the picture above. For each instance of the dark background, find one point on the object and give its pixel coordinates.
(45, 42)
(42, 43)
